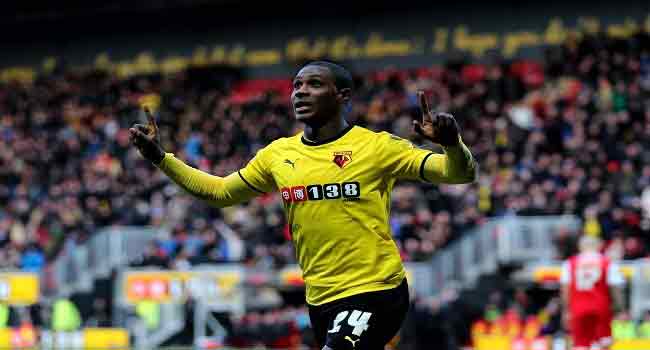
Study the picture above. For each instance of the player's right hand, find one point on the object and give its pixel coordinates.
(146, 139)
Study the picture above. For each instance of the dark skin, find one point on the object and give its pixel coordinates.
(315, 88)
(319, 104)
(146, 139)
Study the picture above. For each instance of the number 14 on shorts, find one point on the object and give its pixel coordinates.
(357, 319)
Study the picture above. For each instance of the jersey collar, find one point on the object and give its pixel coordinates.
(331, 139)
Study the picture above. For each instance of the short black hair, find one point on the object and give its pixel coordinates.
(342, 77)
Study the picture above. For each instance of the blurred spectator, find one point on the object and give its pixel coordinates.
(180, 261)
(274, 328)
(551, 317)
(644, 326)
(623, 327)
(4, 315)
(99, 316)
(153, 255)
(65, 316)
(432, 323)
(32, 259)
(149, 312)
(565, 135)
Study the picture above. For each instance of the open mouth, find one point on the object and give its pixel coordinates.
(302, 106)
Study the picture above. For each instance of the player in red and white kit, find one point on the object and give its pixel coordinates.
(591, 292)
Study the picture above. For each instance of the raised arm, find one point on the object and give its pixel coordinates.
(457, 165)
(217, 191)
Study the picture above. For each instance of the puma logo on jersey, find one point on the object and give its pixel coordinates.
(354, 342)
(293, 164)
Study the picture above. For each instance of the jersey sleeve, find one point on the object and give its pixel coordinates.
(401, 158)
(615, 277)
(217, 191)
(404, 160)
(257, 174)
(565, 274)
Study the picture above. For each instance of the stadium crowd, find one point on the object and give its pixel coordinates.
(561, 136)
(565, 135)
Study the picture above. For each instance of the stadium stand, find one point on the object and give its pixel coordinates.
(571, 129)
(563, 135)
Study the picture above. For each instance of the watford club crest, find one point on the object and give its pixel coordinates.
(342, 158)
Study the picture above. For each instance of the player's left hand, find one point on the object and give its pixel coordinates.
(438, 127)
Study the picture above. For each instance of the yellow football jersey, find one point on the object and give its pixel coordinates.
(337, 200)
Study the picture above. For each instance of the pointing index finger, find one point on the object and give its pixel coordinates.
(424, 105)
(152, 120)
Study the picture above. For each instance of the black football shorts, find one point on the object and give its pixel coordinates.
(366, 321)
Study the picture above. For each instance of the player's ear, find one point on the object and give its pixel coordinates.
(345, 95)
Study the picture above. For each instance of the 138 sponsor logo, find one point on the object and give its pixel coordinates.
(348, 191)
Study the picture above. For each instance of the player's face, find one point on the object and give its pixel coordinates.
(315, 96)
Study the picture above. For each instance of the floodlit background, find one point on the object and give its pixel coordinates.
(99, 250)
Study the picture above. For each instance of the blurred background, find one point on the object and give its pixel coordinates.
(98, 249)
